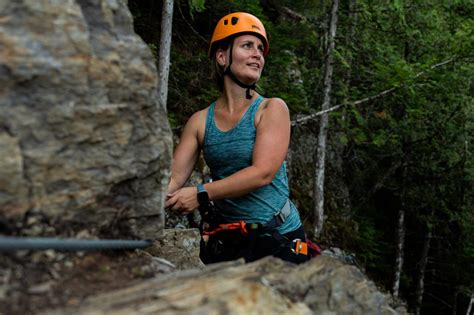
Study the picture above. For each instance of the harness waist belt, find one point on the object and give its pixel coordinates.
(279, 218)
(284, 212)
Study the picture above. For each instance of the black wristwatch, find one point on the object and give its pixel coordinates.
(202, 196)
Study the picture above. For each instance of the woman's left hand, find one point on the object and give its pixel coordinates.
(183, 200)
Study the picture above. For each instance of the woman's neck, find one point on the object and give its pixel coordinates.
(233, 97)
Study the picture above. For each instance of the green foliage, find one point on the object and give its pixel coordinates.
(369, 243)
(196, 6)
(173, 120)
(423, 124)
(467, 225)
(154, 50)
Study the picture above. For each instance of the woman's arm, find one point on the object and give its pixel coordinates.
(270, 149)
(186, 153)
(271, 146)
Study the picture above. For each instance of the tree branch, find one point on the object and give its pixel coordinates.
(293, 15)
(190, 26)
(305, 119)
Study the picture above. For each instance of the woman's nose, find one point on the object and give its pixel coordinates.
(258, 53)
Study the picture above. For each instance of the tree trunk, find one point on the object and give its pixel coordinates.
(455, 302)
(321, 153)
(165, 47)
(421, 280)
(399, 253)
(400, 241)
(350, 39)
(468, 312)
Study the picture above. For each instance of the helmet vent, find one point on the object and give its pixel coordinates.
(234, 20)
(226, 22)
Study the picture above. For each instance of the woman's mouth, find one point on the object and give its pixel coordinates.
(254, 65)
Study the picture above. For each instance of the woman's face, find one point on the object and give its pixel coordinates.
(247, 58)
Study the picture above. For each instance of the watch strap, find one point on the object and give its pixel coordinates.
(201, 188)
(202, 196)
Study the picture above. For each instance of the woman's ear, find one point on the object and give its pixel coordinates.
(221, 57)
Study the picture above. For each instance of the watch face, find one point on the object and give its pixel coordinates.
(203, 197)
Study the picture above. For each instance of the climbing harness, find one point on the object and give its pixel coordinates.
(210, 226)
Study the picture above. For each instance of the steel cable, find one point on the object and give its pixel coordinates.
(43, 243)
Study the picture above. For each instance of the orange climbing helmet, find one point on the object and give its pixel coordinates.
(239, 23)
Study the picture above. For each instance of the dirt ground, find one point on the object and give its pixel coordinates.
(31, 282)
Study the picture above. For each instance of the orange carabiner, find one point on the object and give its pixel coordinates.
(300, 247)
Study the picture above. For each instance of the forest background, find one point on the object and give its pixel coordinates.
(403, 79)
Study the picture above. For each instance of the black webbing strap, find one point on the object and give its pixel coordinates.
(229, 72)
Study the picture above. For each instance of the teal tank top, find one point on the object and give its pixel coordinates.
(227, 152)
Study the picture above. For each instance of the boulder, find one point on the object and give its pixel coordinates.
(84, 142)
(268, 286)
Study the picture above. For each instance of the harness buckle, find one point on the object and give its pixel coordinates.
(280, 218)
(283, 214)
(300, 247)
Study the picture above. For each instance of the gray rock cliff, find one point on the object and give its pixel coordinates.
(83, 140)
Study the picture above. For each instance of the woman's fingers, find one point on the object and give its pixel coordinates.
(183, 200)
(171, 199)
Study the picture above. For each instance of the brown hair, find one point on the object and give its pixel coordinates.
(218, 69)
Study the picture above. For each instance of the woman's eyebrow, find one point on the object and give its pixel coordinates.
(250, 41)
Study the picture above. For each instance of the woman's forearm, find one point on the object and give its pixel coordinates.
(239, 183)
(173, 186)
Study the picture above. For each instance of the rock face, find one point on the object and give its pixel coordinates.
(268, 286)
(301, 160)
(83, 140)
(180, 247)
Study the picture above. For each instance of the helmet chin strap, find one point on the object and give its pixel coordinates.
(229, 72)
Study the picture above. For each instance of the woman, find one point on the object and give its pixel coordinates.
(244, 138)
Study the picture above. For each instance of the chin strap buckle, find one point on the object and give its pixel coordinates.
(248, 95)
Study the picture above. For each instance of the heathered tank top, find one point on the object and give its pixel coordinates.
(227, 152)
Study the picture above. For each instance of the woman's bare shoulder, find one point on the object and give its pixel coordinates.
(272, 107)
(274, 102)
(198, 117)
(197, 124)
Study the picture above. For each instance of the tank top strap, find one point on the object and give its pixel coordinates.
(254, 108)
(209, 121)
